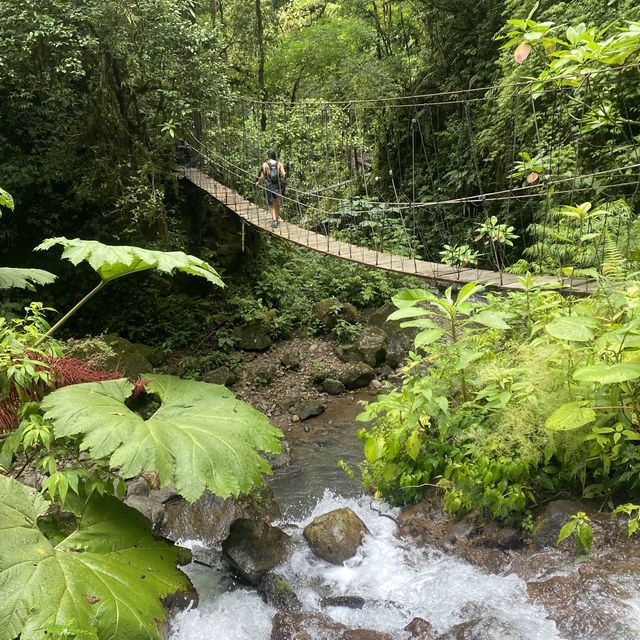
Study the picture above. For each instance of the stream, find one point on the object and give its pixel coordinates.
(397, 579)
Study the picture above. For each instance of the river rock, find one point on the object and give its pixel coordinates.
(253, 548)
(290, 360)
(221, 375)
(252, 337)
(352, 602)
(420, 629)
(282, 459)
(210, 517)
(309, 408)
(357, 375)
(335, 536)
(348, 353)
(372, 343)
(314, 626)
(151, 508)
(330, 310)
(277, 592)
(547, 529)
(333, 387)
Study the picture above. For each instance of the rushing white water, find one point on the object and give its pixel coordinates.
(397, 580)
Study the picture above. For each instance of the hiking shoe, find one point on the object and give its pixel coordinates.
(274, 224)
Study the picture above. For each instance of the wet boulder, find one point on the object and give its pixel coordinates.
(253, 548)
(420, 629)
(315, 626)
(547, 529)
(210, 517)
(277, 592)
(372, 344)
(335, 536)
(357, 375)
(309, 408)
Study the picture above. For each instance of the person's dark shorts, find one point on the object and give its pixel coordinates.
(272, 195)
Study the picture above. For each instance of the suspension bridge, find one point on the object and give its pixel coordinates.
(375, 182)
(436, 272)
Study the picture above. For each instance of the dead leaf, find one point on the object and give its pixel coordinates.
(522, 52)
(532, 177)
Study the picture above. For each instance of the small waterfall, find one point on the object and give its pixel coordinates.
(397, 580)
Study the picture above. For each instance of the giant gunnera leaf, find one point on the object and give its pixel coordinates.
(201, 437)
(104, 577)
(23, 278)
(113, 262)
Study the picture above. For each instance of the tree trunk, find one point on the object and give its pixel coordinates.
(261, 91)
(213, 7)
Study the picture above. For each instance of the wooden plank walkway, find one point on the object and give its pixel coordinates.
(433, 271)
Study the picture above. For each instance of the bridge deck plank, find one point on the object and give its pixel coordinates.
(435, 271)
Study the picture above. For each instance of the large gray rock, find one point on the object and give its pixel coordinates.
(252, 337)
(357, 375)
(253, 548)
(372, 343)
(210, 517)
(349, 353)
(335, 536)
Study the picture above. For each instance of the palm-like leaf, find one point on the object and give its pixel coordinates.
(112, 262)
(106, 577)
(23, 278)
(200, 438)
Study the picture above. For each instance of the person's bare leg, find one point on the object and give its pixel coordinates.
(276, 209)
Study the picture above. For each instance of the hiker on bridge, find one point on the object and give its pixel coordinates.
(273, 175)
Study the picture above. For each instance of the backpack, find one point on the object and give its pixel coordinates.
(274, 180)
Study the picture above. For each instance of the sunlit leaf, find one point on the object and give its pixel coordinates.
(201, 437)
(571, 415)
(522, 52)
(608, 374)
(24, 278)
(113, 262)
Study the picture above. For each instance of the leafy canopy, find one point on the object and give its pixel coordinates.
(200, 438)
(86, 577)
(111, 262)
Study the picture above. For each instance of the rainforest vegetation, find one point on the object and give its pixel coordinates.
(491, 133)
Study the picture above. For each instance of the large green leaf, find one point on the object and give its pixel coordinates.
(608, 374)
(569, 416)
(112, 262)
(491, 319)
(23, 278)
(201, 437)
(6, 200)
(575, 328)
(106, 577)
